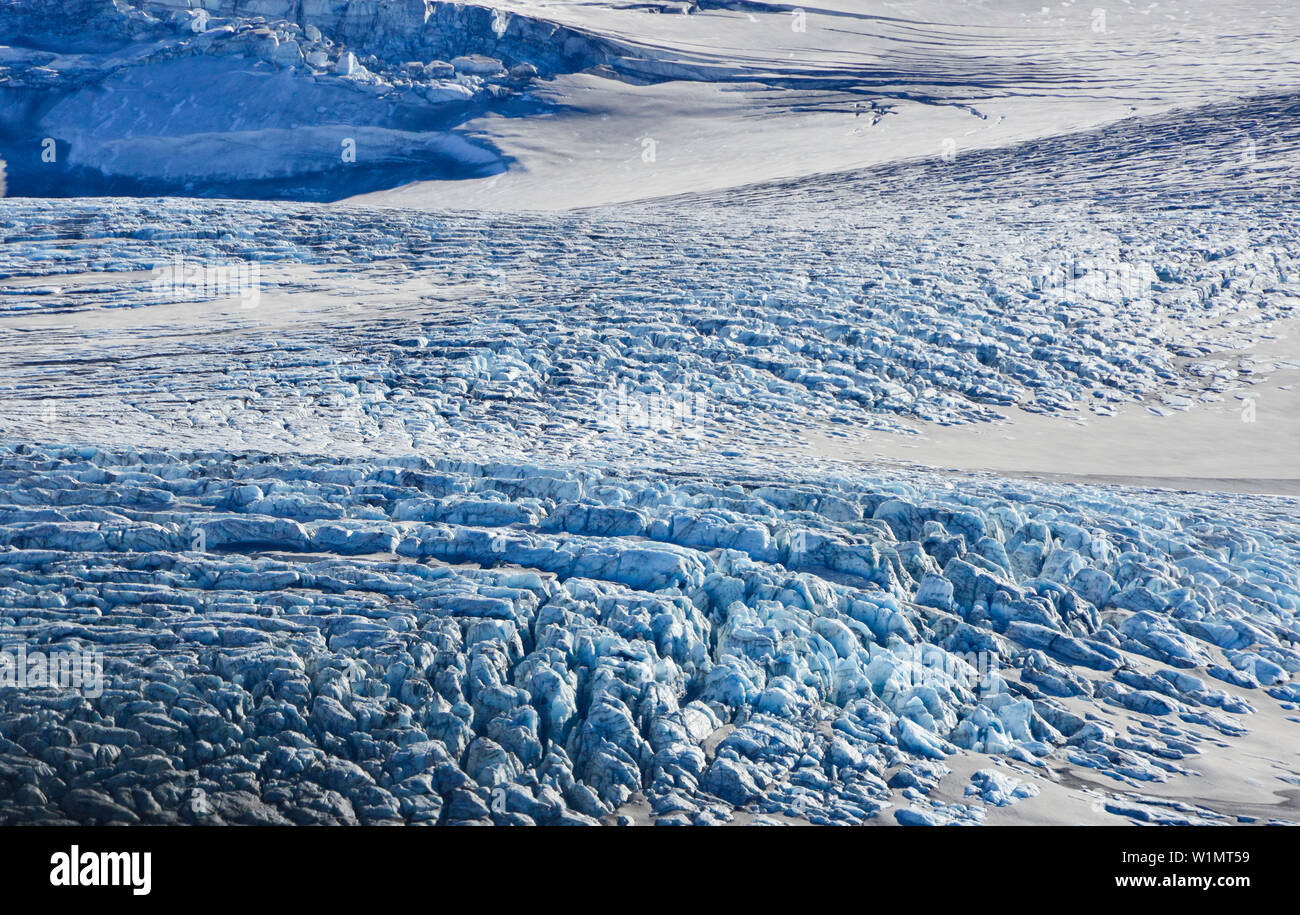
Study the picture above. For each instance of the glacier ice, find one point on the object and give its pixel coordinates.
(566, 658)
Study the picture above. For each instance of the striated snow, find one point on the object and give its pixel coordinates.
(743, 318)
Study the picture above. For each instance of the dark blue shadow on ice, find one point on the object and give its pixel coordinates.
(28, 176)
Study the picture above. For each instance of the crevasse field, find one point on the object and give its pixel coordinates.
(672, 412)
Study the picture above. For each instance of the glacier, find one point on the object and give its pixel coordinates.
(522, 471)
(437, 640)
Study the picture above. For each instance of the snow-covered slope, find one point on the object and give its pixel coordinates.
(257, 99)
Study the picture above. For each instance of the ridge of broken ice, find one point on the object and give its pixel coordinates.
(435, 640)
